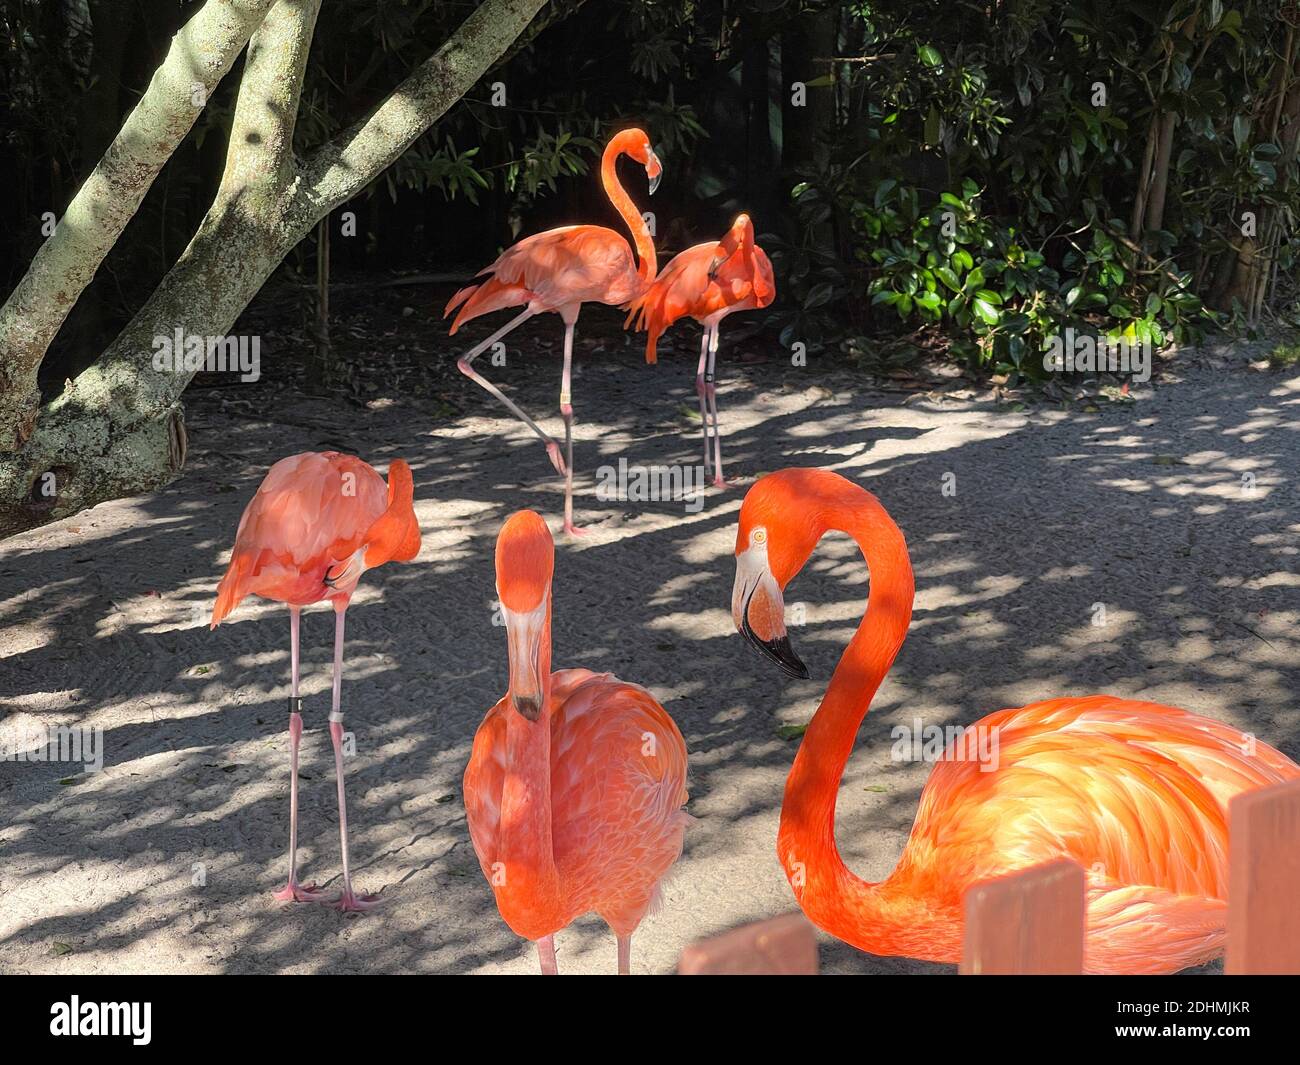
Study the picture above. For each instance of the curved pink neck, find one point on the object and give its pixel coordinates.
(806, 841)
(647, 264)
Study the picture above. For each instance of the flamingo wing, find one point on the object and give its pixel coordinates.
(1136, 793)
(680, 289)
(618, 785)
(561, 267)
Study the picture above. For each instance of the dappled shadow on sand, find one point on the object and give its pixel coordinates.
(165, 861)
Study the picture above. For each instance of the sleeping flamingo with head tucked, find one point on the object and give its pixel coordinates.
(576, 782)
(317, 522)
(1135, 792)
(559, 271)
(707, 282)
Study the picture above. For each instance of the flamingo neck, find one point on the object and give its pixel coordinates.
(834, 898)
(647, 264)
(529, 890)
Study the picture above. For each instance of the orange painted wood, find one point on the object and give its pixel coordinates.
(1027, 922)
(1264, 881)
(783, 946)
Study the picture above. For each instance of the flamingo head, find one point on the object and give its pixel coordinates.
(739, 236)
(635, 143)
(525, 564)
(777, 533)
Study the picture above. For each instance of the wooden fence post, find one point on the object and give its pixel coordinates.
(1264, 881)
(783, 946)
(1029, 922)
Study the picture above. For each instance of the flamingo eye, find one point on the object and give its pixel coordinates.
(759, 536)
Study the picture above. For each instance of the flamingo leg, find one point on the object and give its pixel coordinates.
(293, 891)
(566, 412)
(712, 389)
(625, 955)
(348, 902)
(546, 954)
(700, 392)
(464, 364)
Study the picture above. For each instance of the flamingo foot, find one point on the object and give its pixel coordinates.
(349, 902)
(294, 892)
(553, 453)
(721, 482)
(574, 530)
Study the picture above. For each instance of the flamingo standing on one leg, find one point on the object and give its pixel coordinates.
(1135, 792)
(575, 786)
(707, 282)
(318, 521)
(559, 271)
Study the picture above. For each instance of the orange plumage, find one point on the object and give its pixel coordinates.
(1135, 792)
(576, 782)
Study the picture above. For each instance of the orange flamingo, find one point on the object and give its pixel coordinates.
(559, 271)
(1135, 792)
(318, 521)
(576, 782)
(707, 282)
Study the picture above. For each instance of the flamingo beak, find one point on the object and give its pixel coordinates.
(524, 639)
(715, 264)
(654, 170)
(758, 610)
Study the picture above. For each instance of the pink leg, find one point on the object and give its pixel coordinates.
(718, 480)
(293, 891)
(546, 953)
(566, 412)
(465, 365)
(700, 391)
(348, 902)
(625, 955)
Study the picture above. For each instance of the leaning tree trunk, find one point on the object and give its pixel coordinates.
(118, 429)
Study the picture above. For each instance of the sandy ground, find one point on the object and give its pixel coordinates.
(1139, 506)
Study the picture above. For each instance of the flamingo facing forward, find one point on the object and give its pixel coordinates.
(559, 271)
(707, 282)
(576, 782)
(1136, 793)
(318, 521)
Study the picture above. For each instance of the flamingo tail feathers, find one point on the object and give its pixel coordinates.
(231, 589)
(484, 298)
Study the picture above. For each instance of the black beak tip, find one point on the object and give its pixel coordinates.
(528, 708)
(783, 655)
(778, 650)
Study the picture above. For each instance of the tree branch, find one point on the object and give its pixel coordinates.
(343, 167)
(200, 55)
(266, 111)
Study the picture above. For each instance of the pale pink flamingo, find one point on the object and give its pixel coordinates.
(318, 521)
(559, 271)
(576, 783)
(707, 282)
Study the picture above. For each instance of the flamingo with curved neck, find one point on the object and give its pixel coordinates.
(1135, 792)
(559, 271)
